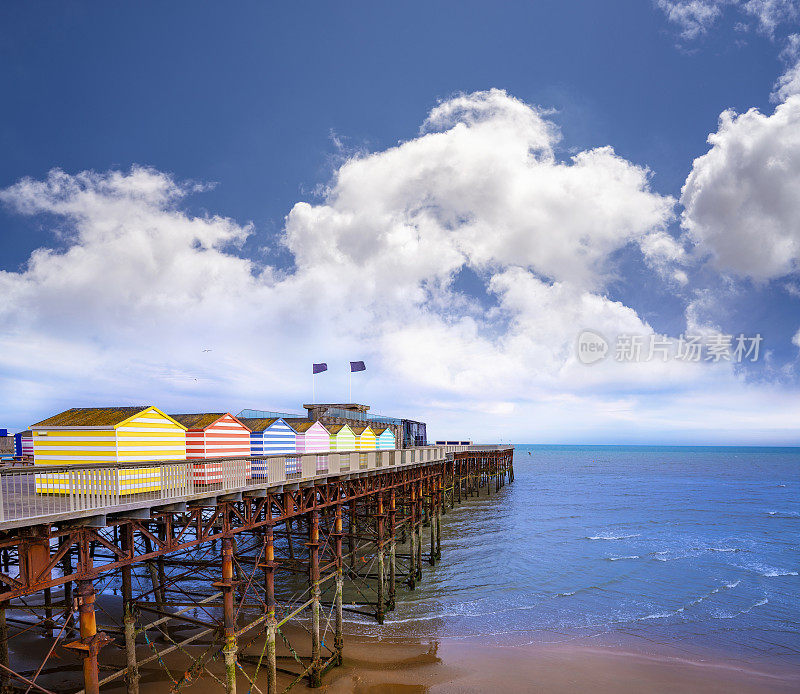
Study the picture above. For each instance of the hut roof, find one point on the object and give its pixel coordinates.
(91, 417)
(360, 430)
(379, 430)
(199, 420)
(259, 423)
(299, 425)
(27, 432)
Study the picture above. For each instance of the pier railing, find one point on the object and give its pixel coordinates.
(67, 491)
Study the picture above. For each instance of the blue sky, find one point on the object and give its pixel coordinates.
(272, 103)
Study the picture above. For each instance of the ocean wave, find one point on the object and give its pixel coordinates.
(779, 572)
(611, 537)
(759, 603)
(784, 514)
(680, 610)
(632, 556)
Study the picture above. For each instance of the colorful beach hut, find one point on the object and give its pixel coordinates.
(86, 435)
(384, 438)
(311, 437)
(269, 436)
(214, 435)
(23, 444)
(342, 437)
(365, 438)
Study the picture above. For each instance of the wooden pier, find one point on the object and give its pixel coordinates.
(244, 581)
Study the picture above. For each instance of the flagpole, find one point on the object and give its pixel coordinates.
(350, 386)
(313, 387)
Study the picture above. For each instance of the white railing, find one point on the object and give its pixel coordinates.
(41, 491)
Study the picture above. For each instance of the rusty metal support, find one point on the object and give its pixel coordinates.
(229, 615)
(88, 624)
(48, 612)
(351, 537)
(379, 608)
(412, 534)
(66, 567)
(418, 530)
(129, 614)
(392, 548)
(269, 565)
(338, 638)
(432, 516)
(439, 512)
(315, 672)
(5, 687)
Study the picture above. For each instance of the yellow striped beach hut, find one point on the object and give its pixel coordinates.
(85, 435)
(365, 438)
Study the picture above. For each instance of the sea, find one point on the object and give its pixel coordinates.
(691, 550)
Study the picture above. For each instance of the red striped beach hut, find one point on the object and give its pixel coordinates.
(214, 435)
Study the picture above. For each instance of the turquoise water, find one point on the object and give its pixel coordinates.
(695, 549)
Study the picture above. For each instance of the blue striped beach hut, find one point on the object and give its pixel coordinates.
(269, 436)
(384, 438)
(23, 444)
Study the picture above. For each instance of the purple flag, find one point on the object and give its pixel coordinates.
(319, 368)
(357, 366)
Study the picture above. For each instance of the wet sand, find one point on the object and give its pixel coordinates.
(453, 666)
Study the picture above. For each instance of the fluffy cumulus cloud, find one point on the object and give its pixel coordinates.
(480, 187)
(148, 302)
(740, 200)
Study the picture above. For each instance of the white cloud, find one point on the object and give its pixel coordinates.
(788, 84)
(796, 339)
(696, 17)
(125, 312)
(740, 200)
(771, 13)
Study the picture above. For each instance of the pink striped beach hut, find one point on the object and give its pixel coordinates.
(311, 437)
